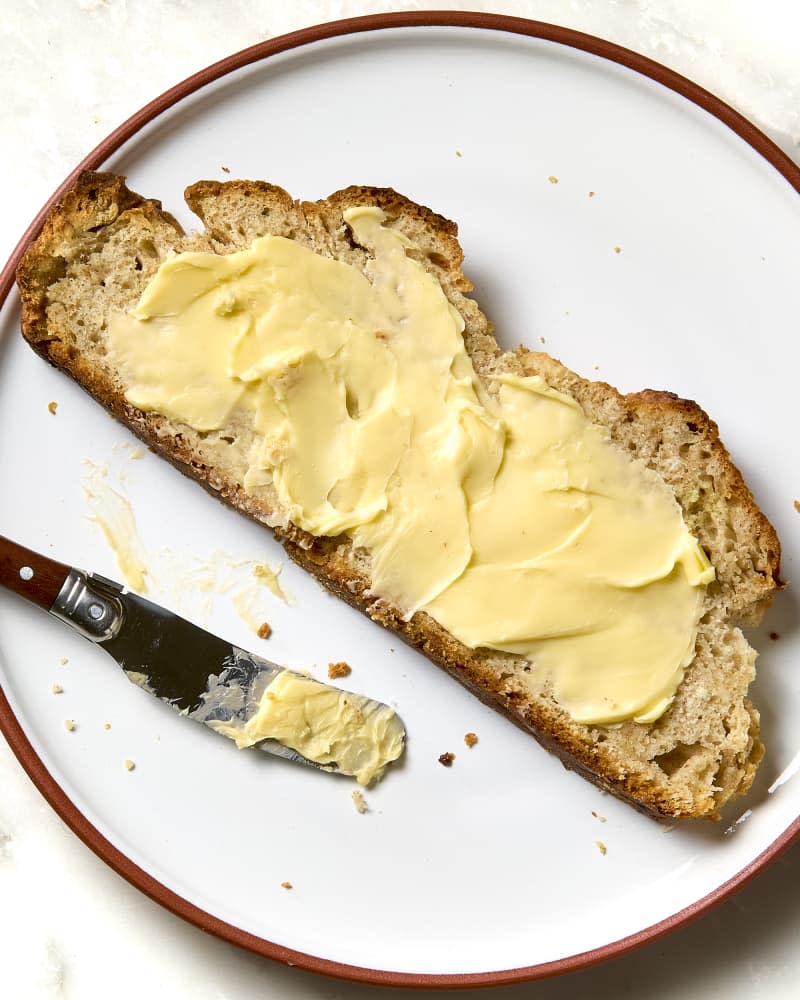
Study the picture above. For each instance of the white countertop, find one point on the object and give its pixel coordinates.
(69, 926)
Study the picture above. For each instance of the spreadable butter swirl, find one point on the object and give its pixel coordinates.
(503, 513)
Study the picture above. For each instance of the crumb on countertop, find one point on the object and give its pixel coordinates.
(774, 636)
(359, 801)
(69, 725)
(52, 406)
(446, 759)
(130, 765)
(57, 689)
(339, 669)
(470, 739)
(264, 630)
(286, 885)
(601, 847)
(553, 179)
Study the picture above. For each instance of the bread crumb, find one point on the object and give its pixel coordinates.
(617, 249)
(130, 765)
(359, 802)
(63, 661)
(286, 885)
(774, 636)
(52, 406)
(668, 829)
(136, 454)
(601, 847)
(264, 630)
(797, 506)
(470, 739)
(106, 725)
(340, 669)
(553, 179)
(591, 194)
(446, 759)
(57, 689)
(542, 340)
(225, 170)
(69, 725)
(597, 816)
(459, 153)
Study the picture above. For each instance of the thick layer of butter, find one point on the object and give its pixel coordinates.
(331, 727)
(505, 515)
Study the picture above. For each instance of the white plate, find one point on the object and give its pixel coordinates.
(490, 869)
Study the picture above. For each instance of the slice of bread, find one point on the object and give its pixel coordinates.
(102, 244)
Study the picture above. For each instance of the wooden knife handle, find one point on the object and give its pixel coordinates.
(30, 574)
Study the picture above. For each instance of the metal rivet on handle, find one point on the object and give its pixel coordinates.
(26, 573)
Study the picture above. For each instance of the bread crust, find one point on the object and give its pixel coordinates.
(104, 239)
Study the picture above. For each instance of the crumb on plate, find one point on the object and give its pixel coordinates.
(470, 739)
(286, 885)
(130, 765)
(264, 630)
(446, 759)
(339, 669)
(601, 847)
(57, 689)
(52, 406)
(69, 725)
(598, 817)
(359, 802)
(553, 179)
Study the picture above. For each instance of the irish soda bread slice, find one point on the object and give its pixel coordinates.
(101, 246)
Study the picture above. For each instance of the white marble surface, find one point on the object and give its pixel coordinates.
(71, 70)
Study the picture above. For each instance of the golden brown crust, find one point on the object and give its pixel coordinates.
(108, 240)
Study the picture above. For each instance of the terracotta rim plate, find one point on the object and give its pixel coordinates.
(607, 206)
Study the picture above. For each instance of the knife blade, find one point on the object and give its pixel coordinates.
(198, 674)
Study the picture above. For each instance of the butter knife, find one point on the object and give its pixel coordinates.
(200, 675)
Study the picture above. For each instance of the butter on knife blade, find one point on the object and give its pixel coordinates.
(242, 696)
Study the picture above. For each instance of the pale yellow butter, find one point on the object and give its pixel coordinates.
(503, 513)
(355, 735)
